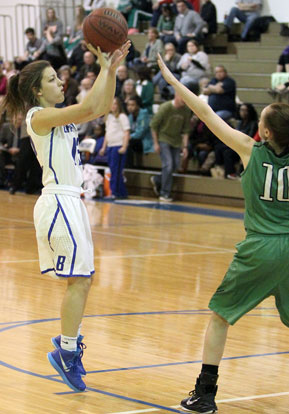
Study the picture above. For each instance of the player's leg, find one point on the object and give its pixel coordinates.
(66, 359)
(202, 398)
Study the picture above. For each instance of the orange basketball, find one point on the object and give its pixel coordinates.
(106, 28)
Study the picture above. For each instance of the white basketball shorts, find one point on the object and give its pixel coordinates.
(63, 233)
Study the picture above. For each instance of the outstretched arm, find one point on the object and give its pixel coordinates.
(97, 102)
(239, 142)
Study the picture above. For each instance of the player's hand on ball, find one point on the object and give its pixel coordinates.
(120, 54)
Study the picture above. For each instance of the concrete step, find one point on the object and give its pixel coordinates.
(269, 39)
(257, 66)
(252, 80)
(189, 188)
(260, 53)
(260, 96)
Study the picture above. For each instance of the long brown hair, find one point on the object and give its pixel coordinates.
(277, 121)
(23, 88)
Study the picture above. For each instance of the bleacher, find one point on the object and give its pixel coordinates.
(251, 65)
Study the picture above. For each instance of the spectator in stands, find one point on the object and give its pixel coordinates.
(145, 88)
(248, 124)
(52, 48)
(121, 77)
(76, 34)
(18, 151)
(166, 24)
(193, 65)
(209, 15)
(117, 134)
(90, 5)
(170, 130)
(140, 133)
(247, 11)
(31, 49)
(76, 59)
(188, 26)
(70, 85)
(171, 58)
(3, 84)
(128, 91)
(150, 53)
(53, 21)
(135, 11)
(89, 65)
(9, 69)
(222, 93)
(98, 134)
(283, 62)
(85, 86)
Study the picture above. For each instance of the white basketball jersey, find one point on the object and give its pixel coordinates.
(57, 153)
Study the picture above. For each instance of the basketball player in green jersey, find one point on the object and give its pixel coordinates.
(260, 268)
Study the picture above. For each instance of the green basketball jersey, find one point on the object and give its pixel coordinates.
(265, 183)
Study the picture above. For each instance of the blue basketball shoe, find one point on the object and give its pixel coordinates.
(56, 341)
(66, 364)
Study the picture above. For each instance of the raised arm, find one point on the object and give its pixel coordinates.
(239, 142)
(97, 102)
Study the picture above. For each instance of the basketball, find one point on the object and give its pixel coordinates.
(106, 28)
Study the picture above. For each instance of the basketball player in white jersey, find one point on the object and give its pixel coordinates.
(60, 217)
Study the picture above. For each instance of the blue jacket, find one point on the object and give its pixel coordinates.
(140, 129)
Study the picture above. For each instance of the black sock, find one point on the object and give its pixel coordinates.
(210, 369)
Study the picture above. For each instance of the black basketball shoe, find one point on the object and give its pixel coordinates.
(202, 398)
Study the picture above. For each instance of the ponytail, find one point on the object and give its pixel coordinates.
(23, 88)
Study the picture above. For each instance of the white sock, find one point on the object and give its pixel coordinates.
(68, 343)
(79, 330)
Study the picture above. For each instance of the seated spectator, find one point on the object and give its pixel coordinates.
(150, 53)
(222, 93)
(98, 134)
(201, 147)
(121, 77)
(135, 11)
(76, 59)
(193, 65)
(166, 24)
(90, 5)
(9, 69)
(145, 88)
(31, 49)
(188, 26)
(247, 11)
(70, 85)
(76, 34)
(283, 62)
(85, 86)
(117, 134)
(52, 45)
(170, 130)
(171, 59)
(140, 133)
(209, 15)
(17, 150)
(89, 65)
(3, 84)
(128, 91)
(248, 124)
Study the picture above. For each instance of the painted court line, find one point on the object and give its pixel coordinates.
(128, 236)
(252, 397)
(128, 256)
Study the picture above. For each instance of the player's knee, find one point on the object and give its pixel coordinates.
(219, 319)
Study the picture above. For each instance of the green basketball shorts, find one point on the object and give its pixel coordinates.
(260, 269)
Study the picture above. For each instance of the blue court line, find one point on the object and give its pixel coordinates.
(52, 377)
(180, 208)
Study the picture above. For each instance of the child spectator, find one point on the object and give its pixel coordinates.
(116, 139)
